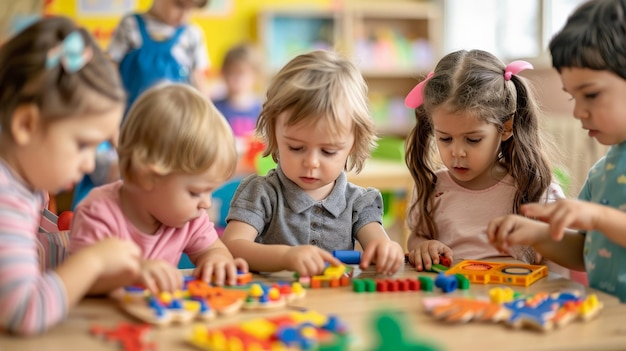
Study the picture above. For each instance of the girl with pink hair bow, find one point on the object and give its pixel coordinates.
(481, 118)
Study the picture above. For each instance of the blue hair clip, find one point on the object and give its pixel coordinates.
(72, 53)
(21, 22)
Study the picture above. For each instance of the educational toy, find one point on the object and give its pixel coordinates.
(542, 311)
(197, 301)
(393, 334)
(294, 331)
(130, 337)
(263, 296)
(348, 256)
(426, 283)
(482, 272)
(333, 277)
(385, 285)
(446, 283)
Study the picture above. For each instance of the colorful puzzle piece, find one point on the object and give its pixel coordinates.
(264, 296)
(130, 337)
(298, 331)
(482, 272)
(333, 277)
(197, 301)
(390, 329)
(541, 311)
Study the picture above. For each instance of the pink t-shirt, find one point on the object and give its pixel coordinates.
(100, 216)
(462, 216)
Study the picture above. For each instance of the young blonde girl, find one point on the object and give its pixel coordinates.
(483, 120)
(59, 99)
(175, 148)
(315, 124)
(589, 53)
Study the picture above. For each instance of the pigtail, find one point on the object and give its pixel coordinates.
(524, 153)
(419, 152)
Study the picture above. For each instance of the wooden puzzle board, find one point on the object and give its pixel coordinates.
(484, 272)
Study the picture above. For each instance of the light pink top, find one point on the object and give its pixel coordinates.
(31, 301)
(462, 216)
(100, 216)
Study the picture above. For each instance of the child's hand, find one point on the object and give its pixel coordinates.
(116, 256)
(506, 231)
(217, 268)
(308, 260)
(158, 275)
(427, 254)
(387, 254)
(564, 214)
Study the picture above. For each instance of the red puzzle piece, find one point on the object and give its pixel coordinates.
(130, 337)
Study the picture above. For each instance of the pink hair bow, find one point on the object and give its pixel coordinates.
(515, 67)
(415, 98)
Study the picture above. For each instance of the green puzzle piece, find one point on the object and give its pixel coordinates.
(392, 336)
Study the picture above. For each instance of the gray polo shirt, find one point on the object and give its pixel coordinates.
(282, 213)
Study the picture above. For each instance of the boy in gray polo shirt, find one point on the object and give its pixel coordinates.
(316, 125)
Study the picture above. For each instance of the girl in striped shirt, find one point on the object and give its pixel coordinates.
(59, 99)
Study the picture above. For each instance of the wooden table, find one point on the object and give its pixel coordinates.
(607, 332)
(387, 176)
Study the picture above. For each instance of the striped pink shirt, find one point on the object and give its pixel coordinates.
(31, 301)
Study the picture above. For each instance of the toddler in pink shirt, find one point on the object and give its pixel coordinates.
(174, 149)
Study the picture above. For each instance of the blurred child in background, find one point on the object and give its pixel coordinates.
(160, 45)
(241, 106)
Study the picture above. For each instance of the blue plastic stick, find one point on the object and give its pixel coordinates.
(348, 256)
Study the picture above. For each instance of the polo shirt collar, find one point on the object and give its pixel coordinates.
(299, 202)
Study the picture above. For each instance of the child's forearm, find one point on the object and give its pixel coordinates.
(611, 223)
(568, 252)
(260, 258)
(82, 277)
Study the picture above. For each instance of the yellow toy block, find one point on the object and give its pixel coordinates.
(259, 328)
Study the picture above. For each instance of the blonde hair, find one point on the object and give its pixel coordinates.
(173, 128)
(315, 86)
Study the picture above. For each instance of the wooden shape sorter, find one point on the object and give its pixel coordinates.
(483, 272)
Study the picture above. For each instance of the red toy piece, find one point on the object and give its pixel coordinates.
(130, 337)
(65, 220)
(445, 261)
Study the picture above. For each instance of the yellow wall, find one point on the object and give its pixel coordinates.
(221, 31)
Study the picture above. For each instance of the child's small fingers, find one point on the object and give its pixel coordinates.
(426, 260)
(207, 273)
(419, 263)
(219, 272)
(242, 265)
(328, 257)
(231, 274)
